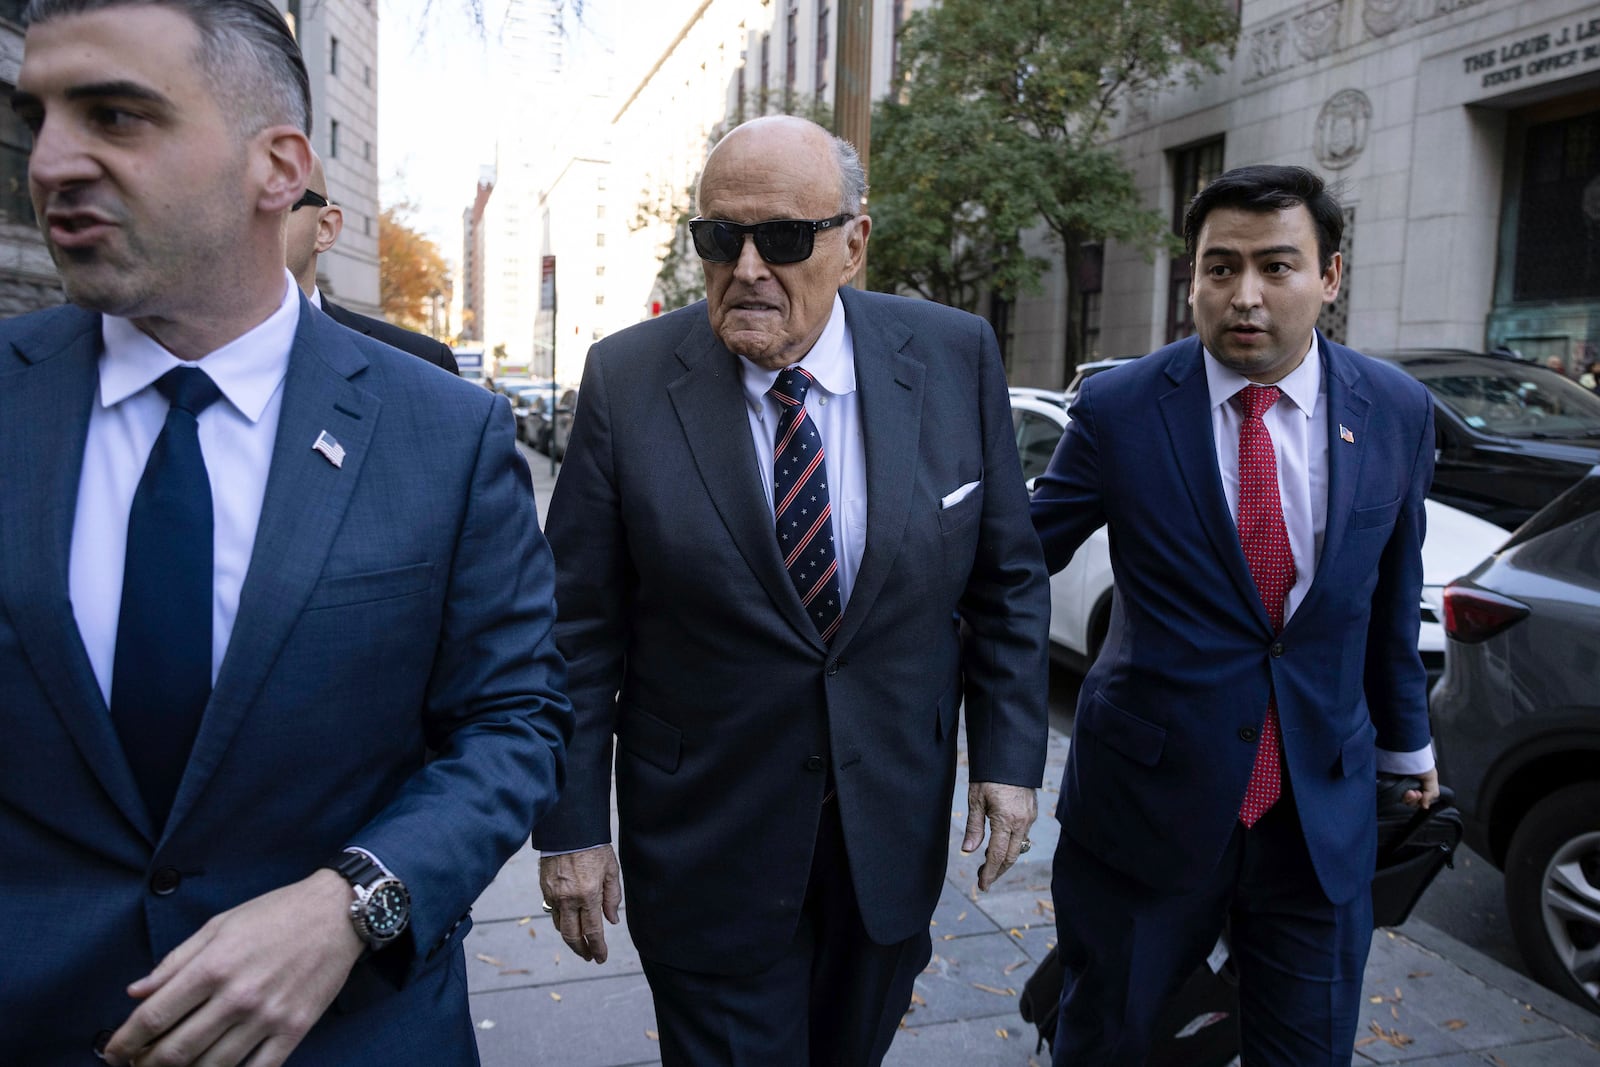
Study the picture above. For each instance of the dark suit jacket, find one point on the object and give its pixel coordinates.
(436, 352)
(395, 605)
(1163, 741)
(685, 636)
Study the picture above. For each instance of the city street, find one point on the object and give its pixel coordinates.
(1441, 990)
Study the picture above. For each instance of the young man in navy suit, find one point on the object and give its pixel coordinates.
(1264, 490)
(278, 681)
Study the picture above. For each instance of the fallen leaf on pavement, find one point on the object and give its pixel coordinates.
(1455, 1024)
(490, 960)
(487, 1024)
(916, 998)
(992, 989)
(1420, 974)
(525, 920)
(533, 931)
(514, 970)
(1013, 966)
(555, 996)
(652, 1035)
(1002, 1033)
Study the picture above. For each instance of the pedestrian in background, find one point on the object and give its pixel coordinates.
(1264, 489)
(791, 537)
(254, 569)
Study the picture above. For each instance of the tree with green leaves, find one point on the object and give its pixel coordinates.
(1001, 124)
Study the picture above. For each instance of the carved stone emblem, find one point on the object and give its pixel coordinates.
(1316, 30)
(1383, 17)
(1342, 128)
(1267, 51)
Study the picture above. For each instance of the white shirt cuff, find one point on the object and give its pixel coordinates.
(570, 851)
(1418, 762)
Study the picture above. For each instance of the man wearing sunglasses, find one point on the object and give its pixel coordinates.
(791, 537)
(315, 223)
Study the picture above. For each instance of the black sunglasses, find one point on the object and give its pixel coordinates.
(778, 241)
(310, 198)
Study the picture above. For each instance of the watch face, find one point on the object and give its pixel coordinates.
(387, 909)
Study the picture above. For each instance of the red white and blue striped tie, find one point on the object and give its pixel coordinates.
(800, 502)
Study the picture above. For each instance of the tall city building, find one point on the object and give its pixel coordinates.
(530, 57)
(471, 287)
(339, 39)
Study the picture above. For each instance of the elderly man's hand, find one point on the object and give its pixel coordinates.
(1010, 810)
(578, 888)
(249, 984)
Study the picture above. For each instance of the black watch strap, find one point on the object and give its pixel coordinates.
(357, 868)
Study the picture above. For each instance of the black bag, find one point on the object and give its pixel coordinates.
(1413, 845)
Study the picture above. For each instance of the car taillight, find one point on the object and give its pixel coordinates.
(1472, 615)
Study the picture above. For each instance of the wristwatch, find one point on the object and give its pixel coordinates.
(382, 906)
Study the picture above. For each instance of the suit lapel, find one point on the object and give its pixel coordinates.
(1347, 410)
(890, 383)
(1186, 409)
(305, 503)
(709, 401)
(45, 409)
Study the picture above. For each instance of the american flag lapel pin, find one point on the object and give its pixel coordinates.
(1345, 435)
(331, 450)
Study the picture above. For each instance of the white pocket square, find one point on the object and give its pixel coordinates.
(950, 500)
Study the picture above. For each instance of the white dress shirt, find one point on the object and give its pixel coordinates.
(1298, 424)
(835, 407)
(236, 434)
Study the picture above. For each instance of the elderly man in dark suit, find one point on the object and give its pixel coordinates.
(278, 681)
(315, 223)
(1264, 490)
(791, 537)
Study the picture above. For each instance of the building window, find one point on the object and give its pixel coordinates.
(791, 49)
(599, 211)
(366, 76)
(738, 100)
(366, 151)
(13, 9)
(1193, 169)
(333, 139)
(1091, 274)
(599, 240)
(333, 56)
(1558, 239)
(599, 298)
(1334, 319)
(766, 68)
(821, 78)
(366, 225)
(600, 270)
(899, 13)
(15, 143)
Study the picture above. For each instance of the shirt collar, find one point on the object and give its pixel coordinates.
(316, 297)
(247, 370)
(1301, 385)
(830, 362)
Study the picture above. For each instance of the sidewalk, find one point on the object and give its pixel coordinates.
(1431, 1001)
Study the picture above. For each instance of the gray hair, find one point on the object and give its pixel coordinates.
(852, 177)
(249, 57)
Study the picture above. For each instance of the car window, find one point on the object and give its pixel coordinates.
(1513, 401)
(1036, 443)
(1581, 502)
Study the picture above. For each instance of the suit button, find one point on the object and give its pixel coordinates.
(815, 763)
(1247, 733)
(1276, 649)
(833, 668)
(165, 881)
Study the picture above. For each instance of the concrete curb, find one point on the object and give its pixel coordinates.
(1582, 1024)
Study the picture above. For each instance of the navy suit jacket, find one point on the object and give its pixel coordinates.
(1167, 717)
(436, 352)
(686, 639)
(396, 606)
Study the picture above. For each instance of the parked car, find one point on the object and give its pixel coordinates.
(1517, 721)
(1511, 435)
(566, 408)
(1080, 594)
(1087, 370)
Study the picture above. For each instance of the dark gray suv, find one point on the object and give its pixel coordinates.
(1517, 720)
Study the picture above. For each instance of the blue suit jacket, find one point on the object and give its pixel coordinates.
(395, 606)
(1164, 738)
(686, 638)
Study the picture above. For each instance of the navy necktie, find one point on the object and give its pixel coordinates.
(161, 677)
(800, 502)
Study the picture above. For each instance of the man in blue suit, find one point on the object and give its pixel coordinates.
(792, 540)
(277, 675)
(1264, 493)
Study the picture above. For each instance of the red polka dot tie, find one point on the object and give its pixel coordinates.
(800, 502)
(1265, 540)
